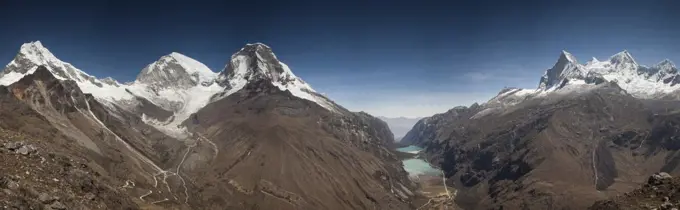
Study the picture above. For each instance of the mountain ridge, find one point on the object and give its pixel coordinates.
(262, 145)
(620, 67)
(585, 133)
(175, 82)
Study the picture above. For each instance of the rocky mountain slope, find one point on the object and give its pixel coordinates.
(181, 136)
(74, 156)
(588, 132)
(659, 192)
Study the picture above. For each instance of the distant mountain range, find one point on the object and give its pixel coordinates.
(181, 136)
(400, 125)
(175, 82)
(587, 132)
(256, 136)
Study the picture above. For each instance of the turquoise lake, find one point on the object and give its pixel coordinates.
(416, 167)
(410, 149)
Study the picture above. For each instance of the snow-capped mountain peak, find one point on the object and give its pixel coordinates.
(621, 68)
(30, 56)
(176, 70)
(175, 82)
(111, 81)
(665, 64)
(568, 57)
(568, 77)
(256, 62)
(566, 66)
(593, 60)
(623, 58)
(36, 52)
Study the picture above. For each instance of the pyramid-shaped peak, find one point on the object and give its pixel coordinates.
(257, 62)
(256, 50)
(568, 57)
(623, 53)
(666, 63)
(592, 61)
(255, 65)
(35, 51)
(33, 45)
(258, 45)
(622, 57)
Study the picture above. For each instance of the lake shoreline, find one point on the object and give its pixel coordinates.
(430, 179)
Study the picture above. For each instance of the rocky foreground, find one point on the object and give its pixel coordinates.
(661, 192)
(34, 177)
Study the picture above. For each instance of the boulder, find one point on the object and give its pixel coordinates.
(659, 178)
(14, 145)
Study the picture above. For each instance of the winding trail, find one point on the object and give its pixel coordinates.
(643, 140)
(165, 199)
(140, 156)
(214, 146)
(594, 167)
(147, 194)
(159, 172)
(189, 147)
(444, 183)
(594, 158)
(129, 184)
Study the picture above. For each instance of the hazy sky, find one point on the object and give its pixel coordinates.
(389, 58)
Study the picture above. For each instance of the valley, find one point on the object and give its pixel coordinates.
(255, 136)
(432, 182)
(587, 133)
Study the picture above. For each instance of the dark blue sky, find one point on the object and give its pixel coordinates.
(393, 58)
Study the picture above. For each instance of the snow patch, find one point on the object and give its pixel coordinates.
(194, 67)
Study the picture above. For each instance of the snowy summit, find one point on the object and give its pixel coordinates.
(175, 82)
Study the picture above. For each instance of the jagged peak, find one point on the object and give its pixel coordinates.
(34, 45)
(568, 56)
(257, 50)
(110, 81)
(592, 61)
(622, 57)
(259, 59)
(36, 52)
(665, 63)
(256, 63)
(257, 44)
